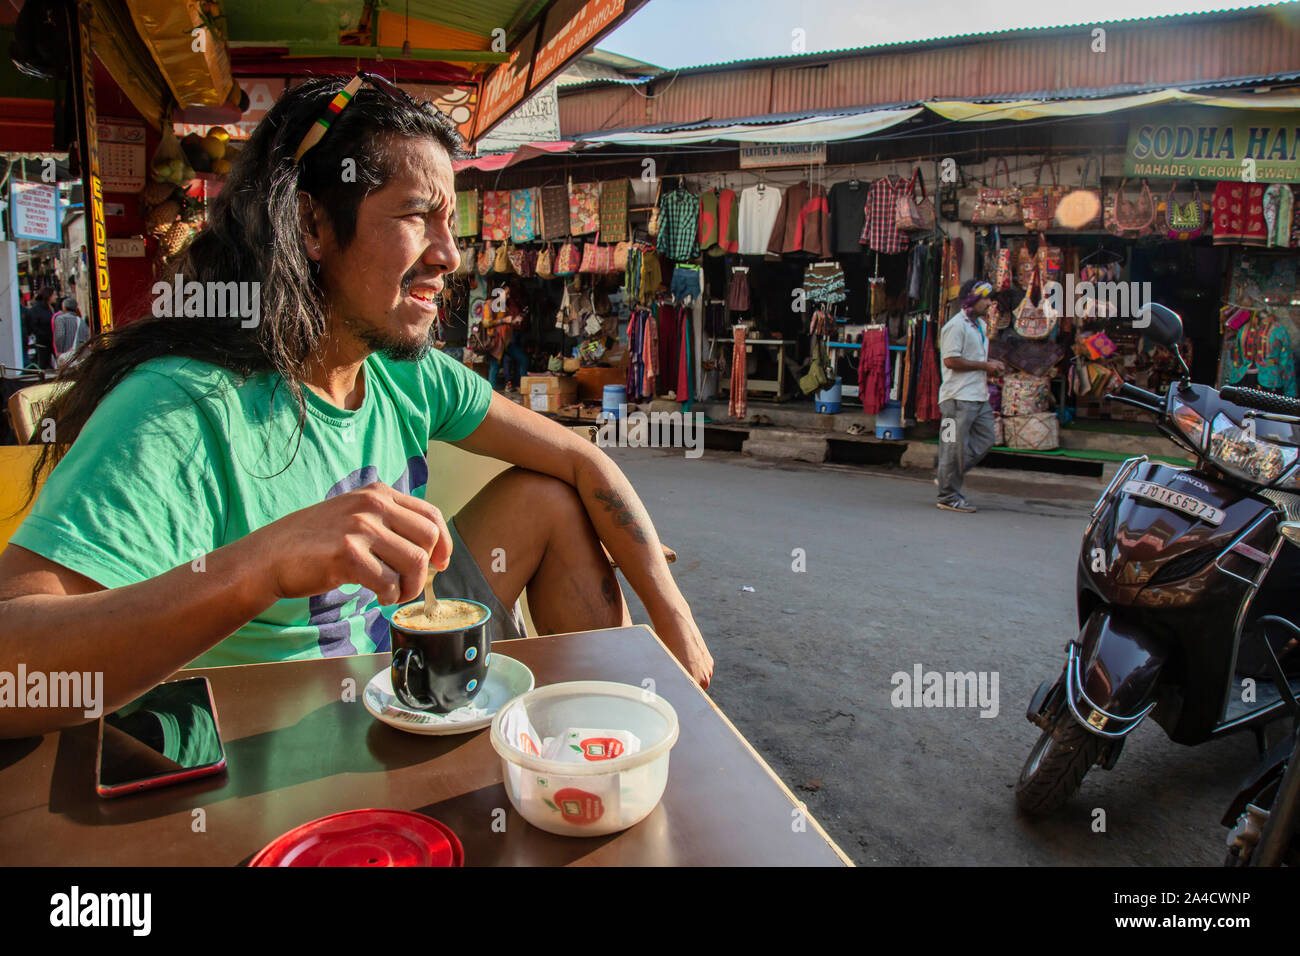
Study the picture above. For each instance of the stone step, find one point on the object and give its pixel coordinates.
(785, 446)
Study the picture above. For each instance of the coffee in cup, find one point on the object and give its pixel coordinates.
(447, 615)
(439, 660)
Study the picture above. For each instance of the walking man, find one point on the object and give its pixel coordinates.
(966, 431)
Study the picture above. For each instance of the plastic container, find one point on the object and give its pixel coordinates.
(828, 400)
(611, 398)
(589, 799)
(889, 421)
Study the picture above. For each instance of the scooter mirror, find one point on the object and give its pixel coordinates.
(1161, 324)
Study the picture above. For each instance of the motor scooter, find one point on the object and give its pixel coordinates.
(1186, 586)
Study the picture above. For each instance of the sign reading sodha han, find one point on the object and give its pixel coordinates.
(1207, 143)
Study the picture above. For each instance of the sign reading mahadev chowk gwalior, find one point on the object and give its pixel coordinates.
(1206, 143)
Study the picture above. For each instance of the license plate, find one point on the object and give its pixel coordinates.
(1176, 500)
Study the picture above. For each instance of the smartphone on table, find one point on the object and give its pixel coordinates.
(168, 735)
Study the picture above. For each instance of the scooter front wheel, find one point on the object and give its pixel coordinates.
(1056, 767)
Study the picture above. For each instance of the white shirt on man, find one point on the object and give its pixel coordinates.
(964, 337)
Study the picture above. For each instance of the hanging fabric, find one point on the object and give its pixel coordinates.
(873, 361)
(736, 406)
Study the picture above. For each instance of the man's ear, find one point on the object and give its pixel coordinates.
(309, 225)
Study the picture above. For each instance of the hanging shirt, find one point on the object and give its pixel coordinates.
(679, 219)
(881, 233)
(1278, 202)
(802, 223)
(728, 222)
(718, 214)
(1264, 346)
(759, 207)
(848, 203)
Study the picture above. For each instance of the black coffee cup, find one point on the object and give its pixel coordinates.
(438, 670)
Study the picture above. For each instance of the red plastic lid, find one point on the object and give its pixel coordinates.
(365, 838)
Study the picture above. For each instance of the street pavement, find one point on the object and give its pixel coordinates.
(805, 661)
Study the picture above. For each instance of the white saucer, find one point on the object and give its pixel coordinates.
(506, 679)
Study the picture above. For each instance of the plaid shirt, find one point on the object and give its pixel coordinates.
(880, 233)
(679, 220)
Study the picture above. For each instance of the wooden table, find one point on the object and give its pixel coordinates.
(297, 750)
(775, 386)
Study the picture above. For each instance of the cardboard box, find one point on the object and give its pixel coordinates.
(548, 393)
(592, 382)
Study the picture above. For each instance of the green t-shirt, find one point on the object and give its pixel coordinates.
(183, 457)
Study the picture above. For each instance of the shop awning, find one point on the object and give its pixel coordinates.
(478, 61)
(188, 46)
(965, 112)
(815, 129)
(522, 154)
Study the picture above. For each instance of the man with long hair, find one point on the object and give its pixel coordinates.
(226, 491)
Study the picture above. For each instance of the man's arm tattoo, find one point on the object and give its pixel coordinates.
(623, 514)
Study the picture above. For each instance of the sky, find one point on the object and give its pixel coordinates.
(679, 33)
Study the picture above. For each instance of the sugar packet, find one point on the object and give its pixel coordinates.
(588, 745)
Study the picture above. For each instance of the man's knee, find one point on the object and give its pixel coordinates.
(543, 494)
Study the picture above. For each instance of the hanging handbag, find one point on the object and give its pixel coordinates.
(567, 260)
(997, 205)
(1048, 260)
(545, 268)
(592, 256)
(496, 215)
(467, 222)
(996, 319)
(584, 208)
(1025, 267)
(468, 255)
(501, 263)
(653, 226)
(555, 212)
(1131, 219)
(486, 257)
(620, 256)
(1081, 208)
(1002, 271)
(950, 198)
(1185, 221)
(820, 375)
(1036, 321)
(518, 258)
(1038, 204)
(912, 214)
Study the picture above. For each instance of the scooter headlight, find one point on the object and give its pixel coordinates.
(1190, 423)
(1239, 452)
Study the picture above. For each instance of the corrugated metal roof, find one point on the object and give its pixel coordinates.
(1016, 32)
(1044, 95)
(1186, 52)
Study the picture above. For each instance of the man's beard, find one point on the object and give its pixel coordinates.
(392, 347)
